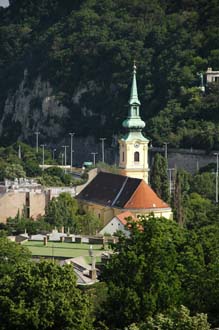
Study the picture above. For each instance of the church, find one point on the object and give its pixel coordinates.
(108, 195)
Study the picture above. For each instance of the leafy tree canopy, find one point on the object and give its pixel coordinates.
(43, 295)
(85, 48)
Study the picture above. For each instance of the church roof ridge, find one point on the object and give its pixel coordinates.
(119, 191)
(145, 198)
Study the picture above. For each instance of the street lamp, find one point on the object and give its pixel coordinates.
(43, 146)
(65, 147)
(170, 179)
(216, 187)
(165, 149)
(102, 144)
(19, 151)
(71, 135)
(53, 154)
(37, 141)
(94, 157)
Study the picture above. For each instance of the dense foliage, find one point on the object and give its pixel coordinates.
(179, 320)
(159, 177)
(39, 295)
(65, 211)
(85, 49)
(167, 266)
(20, 161)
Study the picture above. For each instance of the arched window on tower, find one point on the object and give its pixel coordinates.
(136, 156)
(135, 112)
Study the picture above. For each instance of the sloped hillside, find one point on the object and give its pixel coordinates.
(66, 66)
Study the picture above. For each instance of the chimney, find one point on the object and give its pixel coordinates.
(93, 271)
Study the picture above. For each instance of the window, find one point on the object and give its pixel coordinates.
(123, 156)
(136, 156)
(135, 111)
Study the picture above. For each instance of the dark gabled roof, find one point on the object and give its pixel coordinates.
(109, 189)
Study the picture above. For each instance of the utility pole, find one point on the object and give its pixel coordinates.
(94, 157)
(102, 144)
(37, 141)
(19, 151)
(170, 179)
(71, 135)
(65, 154)
(165, 149)
(43, 146)
(53, 154)
(216, 187)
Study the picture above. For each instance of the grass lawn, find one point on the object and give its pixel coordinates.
(66, 250)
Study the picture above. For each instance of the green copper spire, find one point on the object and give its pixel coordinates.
(134, 122)
(134, 90)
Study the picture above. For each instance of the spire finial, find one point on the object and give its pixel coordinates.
(134, 91)
(134, 67)
(134, 121)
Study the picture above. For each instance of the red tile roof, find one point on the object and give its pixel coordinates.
(124, 215)
(120, 191)
(145, 198)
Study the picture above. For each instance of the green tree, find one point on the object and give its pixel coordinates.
(178, 320)
(19, 224)
(204, 185)
(43, 296)
(87, 224)
(159, 177)
(13, 171)
(11, 254)
(199, 211)
(62, 211)
(160, 260)
(208, 237)
(182, 188)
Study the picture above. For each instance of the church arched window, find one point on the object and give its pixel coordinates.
(136, 156)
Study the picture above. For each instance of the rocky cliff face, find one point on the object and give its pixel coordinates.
(33, 106)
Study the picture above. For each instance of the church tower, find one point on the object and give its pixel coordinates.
(133, 147)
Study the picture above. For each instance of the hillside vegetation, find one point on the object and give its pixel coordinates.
(85, 50)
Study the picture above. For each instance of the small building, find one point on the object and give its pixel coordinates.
(118, 223)
(212, 76)
(108, 195)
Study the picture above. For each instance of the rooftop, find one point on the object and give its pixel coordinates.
(120, 191)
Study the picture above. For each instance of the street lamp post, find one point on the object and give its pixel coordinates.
(94, 157)
(53, 154)
(43, 146)
(102, 144)
(65, 156)
(165, 149)
(37, 141)
(216, 186)
(71, 135)
(170, 179)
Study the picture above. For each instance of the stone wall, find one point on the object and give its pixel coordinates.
(19, 201)
(188, 159)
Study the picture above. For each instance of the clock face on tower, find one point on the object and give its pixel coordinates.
(136, 145)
